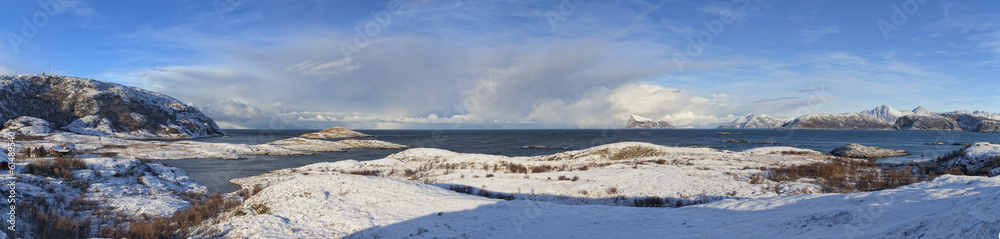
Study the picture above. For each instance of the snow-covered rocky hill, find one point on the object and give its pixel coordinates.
(755, 121)
(881, 117)
(837, 121)
(639, 122)
(92, 107)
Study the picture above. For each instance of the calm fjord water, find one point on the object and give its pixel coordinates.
(215, 173)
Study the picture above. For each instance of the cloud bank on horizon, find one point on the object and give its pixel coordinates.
(518, 64)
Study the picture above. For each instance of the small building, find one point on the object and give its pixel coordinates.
(5, 160)
(63, 150)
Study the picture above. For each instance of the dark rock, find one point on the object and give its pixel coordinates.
(861, 151)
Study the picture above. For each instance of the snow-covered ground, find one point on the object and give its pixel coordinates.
(337, 205)
(611, 174)
(113, 187)
(583, 193)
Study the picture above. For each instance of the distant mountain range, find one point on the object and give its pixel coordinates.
(882, 117)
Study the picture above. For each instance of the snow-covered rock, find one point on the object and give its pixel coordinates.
(27, 125)
(920, 110)
(334, 133)
(755, 121)
(94, 107)
(837, 121)
(861, 151)
(977, 157)
(639, 122)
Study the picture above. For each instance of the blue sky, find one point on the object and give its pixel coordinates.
(518, 64)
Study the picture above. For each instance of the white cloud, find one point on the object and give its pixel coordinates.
(603, 108)
(324, 71)
(814, 34)
(987, 42)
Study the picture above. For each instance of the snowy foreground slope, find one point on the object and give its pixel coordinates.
(414, 195)
(355, 206)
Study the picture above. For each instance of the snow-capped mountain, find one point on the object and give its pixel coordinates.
(94, 107)
(755, 121)
(888, 114)
(837, 121)
(920, 110)
(881, 117)
(639, 122)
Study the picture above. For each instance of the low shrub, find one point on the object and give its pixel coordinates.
(515, 168)
(843, 175)
(365, 172)
(650, 201)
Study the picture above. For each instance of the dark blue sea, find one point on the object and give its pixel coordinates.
(215, 173)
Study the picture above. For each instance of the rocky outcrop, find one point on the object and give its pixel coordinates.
(319, 145)
(639, 122)
(979, 159)
(861, 151)
(755, 121)
(334, 133)
(100, 108)
(27, 125)
(927, 122)
(837, 121)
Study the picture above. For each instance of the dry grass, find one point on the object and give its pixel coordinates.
(634, 152)
(204, 207)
